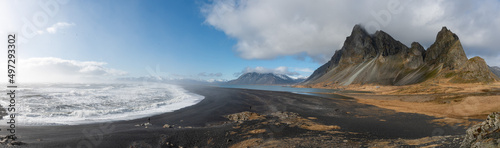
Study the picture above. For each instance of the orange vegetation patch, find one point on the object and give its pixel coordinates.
(248, 143)
(431, 146)
(319, 127)
(422, 140)
(381, 143)
(257, 131)
(256, 143)
(433, 87)
(293, 119)
(454, 103)
(289, 118)
(436, 86)
(209, 141)
(454, 112)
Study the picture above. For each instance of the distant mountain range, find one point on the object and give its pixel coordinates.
(495, 70)
(382, 60)
(264, 79)
(171, 81)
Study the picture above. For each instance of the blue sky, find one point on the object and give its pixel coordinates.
(133, 35)
(218, 39)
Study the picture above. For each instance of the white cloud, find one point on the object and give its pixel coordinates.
(204, 74)
(429, 13)
(307, 70)
(53, 29)
(216, 80)
(298, 77)
(49, 69)
(268, 29)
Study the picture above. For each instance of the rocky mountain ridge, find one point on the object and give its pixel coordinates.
(382, 60)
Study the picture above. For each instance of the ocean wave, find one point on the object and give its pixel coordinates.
(71, 104)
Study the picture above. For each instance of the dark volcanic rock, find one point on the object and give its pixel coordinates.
(386, 45)
(485, 134)
(357, 47)
(447, 50)
(416, 56)
(365, 58)
(10, 141)
(264, 78)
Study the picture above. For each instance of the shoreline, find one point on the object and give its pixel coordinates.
(204, 124)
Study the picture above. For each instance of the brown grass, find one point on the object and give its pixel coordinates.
(248, 143)
(477, 107)
(319, 127)
(412, 142)
(309, 125)
(468, 107)
(257, 131)
(454, 103)
(437, 86)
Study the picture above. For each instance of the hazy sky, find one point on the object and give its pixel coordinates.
(72, 39)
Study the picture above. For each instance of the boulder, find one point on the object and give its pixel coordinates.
(244, 116)
(485, 134)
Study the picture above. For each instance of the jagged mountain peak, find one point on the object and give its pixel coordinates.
(381, 34)
(356, 47)
(416, 45)
(367, 46)
(446, 35)
(381, 59)
(358, 30)
(446, 50)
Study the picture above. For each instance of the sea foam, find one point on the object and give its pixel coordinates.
(71, 104)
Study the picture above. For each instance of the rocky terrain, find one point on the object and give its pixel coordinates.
(10, 141)
(382, 60)
(485, 134)
(264, 79)
(473, 71)
(264, 131)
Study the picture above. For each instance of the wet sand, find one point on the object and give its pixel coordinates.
(204, 124)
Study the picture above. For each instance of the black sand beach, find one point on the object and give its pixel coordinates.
(204, 124)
